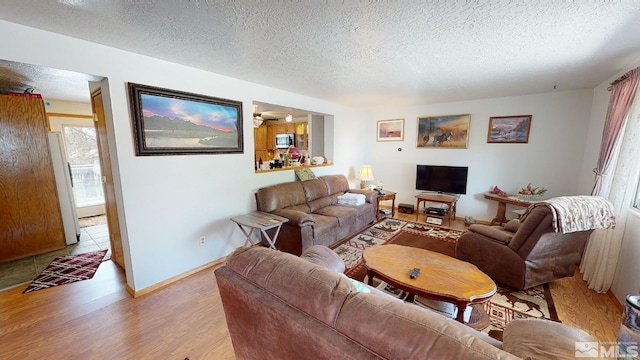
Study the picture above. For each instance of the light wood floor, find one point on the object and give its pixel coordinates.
(97, 319)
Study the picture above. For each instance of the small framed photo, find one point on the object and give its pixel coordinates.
(390, 130)
(445, 131)
(509, 129)
(168, 122)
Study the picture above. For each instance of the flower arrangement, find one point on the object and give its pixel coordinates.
(530, 192)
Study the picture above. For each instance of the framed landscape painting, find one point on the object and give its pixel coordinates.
(390, 130)
(446, 131)
(509, 129)
(168, 122)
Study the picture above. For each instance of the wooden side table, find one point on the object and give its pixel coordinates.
(388, 195)
(262, 222)
(450, 200)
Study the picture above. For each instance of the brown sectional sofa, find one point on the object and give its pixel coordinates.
(279, 306)
(315, 217)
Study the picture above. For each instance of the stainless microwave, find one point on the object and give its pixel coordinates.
(283, 141)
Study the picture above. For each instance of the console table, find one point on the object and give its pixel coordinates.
(450, 200)
(502, 206)
(262, 222)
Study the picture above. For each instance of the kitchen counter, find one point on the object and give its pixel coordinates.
(284, 168)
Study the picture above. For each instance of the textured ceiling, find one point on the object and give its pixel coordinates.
(55, 84)
(366, 54)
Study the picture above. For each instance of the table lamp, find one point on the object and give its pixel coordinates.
(365, 174)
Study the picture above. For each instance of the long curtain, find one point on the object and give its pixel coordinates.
(623, 92)
(617, 172)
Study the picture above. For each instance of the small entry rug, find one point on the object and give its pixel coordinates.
(67, 269)
(92, 221)
(507, 304)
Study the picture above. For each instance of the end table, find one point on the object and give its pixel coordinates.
(388, 195)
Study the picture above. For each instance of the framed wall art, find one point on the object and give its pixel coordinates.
(509, 129)
(168, 122)
(446, 131)
(390, 130)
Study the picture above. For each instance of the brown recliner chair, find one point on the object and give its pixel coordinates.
(523, 255)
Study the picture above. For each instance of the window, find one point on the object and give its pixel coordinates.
(84, 163)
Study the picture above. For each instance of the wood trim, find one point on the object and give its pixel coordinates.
(80, 116)
(615, 300)
(174, 279)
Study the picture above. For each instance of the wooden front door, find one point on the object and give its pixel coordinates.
(113, 223)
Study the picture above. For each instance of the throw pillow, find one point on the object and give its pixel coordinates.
(512, 226)
(305, 174)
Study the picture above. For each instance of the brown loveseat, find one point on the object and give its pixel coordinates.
(279, 306)
(315, 216)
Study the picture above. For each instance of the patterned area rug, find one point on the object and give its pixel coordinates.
(67, 269)
(507, 304)
(393, 231)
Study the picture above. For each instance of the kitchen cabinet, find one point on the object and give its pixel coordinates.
(260, 136)
(290, 128)
(272, 130)
(301, 142)
(261, 143)
(271, 137)
(302, 136)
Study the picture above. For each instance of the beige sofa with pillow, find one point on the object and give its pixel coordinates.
(316, 216)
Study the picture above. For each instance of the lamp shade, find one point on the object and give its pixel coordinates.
(365, 173)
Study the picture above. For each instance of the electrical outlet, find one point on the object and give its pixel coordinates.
(202, 240)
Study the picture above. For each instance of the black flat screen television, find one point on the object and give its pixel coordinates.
(444, 179)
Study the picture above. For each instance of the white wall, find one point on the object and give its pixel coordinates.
(551, 158)
(67, 107)
(170, 201)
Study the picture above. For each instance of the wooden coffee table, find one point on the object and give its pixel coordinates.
(441, 277)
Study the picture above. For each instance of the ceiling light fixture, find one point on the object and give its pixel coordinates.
(288, 118)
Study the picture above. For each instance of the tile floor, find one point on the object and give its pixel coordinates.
(22, 271)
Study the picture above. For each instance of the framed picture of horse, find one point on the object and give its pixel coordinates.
(445, 131)
(509, 129)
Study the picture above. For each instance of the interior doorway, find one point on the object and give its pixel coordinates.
(84, 165)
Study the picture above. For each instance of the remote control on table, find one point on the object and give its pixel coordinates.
(414, 273)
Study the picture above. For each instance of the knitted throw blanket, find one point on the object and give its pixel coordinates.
(578, 213)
